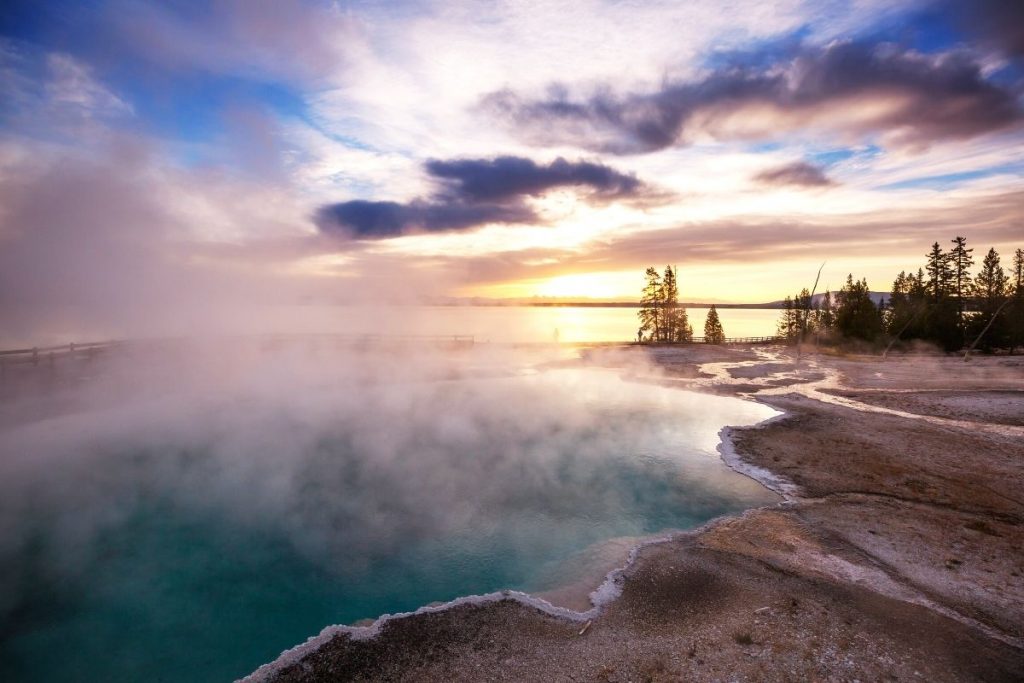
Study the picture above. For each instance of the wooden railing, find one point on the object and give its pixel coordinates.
(50, 354)
(727, 340)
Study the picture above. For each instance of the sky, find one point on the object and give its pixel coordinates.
(156, 155)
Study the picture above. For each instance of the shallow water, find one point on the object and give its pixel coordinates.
(193, 537)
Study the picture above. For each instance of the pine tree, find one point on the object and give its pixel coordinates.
(670, 303)
(856, 315)
(789, 322)
(1018, 272)
(991, 284)
(650, 307)
(938, 273)
(825, 318)
(960, 262)
(676, 326)
(991, 287)
(713, 332)
(1015, 314)
(908, 303)
(802, 305)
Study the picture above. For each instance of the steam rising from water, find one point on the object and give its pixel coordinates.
(190, 513)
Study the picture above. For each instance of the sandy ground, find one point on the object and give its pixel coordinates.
(898, 555)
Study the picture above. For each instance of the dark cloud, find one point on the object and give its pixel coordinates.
(996, 23)
(852, 87)
(373, 220)
(475, 192)
(797, 173)
(507, 177)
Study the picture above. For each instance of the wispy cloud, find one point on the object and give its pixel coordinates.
(799, 173)
(853, 87)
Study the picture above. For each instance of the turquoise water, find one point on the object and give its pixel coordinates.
(193, 537)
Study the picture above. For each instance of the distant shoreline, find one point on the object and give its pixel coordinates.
(596, 304)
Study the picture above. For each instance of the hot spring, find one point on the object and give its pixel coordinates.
(189, 522)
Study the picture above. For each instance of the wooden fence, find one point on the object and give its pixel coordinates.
(727, 340)
(49, 355)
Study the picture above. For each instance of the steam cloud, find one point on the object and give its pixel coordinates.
(347, 460)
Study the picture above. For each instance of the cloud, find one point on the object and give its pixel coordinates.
(997, 23)
(290, 39)
(857, 88)
(46, 92)
(475, 192)
(364, 219)
(508, 177)
(72, 85)
(798, 173)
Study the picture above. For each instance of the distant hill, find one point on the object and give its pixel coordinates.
(817, 298)
(592, 303)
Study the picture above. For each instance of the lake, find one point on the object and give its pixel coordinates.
(508, 324)
(190, 523)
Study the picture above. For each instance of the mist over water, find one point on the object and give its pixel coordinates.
(498, 324)
(187, 516)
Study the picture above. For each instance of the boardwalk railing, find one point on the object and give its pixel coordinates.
(727, 340)
(50, 354)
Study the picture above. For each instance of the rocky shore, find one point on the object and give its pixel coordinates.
(898, 553)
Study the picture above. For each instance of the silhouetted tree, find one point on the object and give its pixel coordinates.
(713, 332)
(825, 318)
(960, 262)
(1015, 314)
(1018, 271)
(802, 304)
(991, 287)
(669, 302)
(908, 304)
(856, 314)
(789, 321)
(677, 326)
(650, 307)
(938, 273)
(662, 319)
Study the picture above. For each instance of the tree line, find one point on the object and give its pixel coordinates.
(662, 319)
(942, 303)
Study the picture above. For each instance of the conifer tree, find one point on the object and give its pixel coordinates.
(676, 326)
(908, 304)
(825, 317)
(713, 332)
(1018, 272)
(938, 273)
(960, 262)
(670, 303)
(1015, 313)
(802, 305)
(856, 315)
(650, 307)
(991, 287)
(789, 322)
